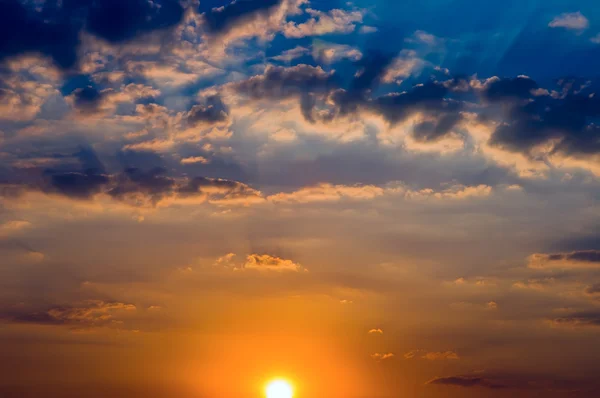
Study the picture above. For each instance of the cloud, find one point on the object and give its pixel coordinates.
(328, 193)
(576, 259)
(278, 82)
(244, 19)
(382, 357)
(432, 356)
(500, 380)
(195, 160)
(440, 355)
(13, 226)
(91, 102)
(579, 319)
(561, 123)
(329, 53)
(222, 18)
(92, 313)
(467, 381)
(403, 66)
(365, 29)
(322, 23)
(570, 20)
(140, 188)
(497, 89)
(55, 30)
(268, 263)
(212, 111)
(375, 331)
(593, 290)
(291, 54)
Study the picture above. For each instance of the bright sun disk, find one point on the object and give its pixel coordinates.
(279, 389)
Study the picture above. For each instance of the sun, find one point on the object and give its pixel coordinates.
(279, 389)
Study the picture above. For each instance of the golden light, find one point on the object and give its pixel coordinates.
(279, 389)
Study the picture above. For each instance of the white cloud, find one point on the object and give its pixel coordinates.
(329, 53)
(322, 23)
(291, 54)
(570, 20)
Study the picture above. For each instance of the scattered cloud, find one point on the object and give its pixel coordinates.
(570, 20)
(382, 357)
(440, 355)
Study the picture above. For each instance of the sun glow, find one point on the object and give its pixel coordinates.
(279, 389)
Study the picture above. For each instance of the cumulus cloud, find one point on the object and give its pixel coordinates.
(212, 111)
(561, 123)
(279, 82)
(268, 263)
(570, 20)
(322, 23)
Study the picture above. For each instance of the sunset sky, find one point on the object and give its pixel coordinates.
(363, 199)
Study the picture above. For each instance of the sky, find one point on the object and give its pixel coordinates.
(368, 199)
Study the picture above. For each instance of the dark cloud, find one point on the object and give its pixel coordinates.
(154, 184)
(370, 70)
(87, 99)
(278, 82)
(585, 318)
(467, 381)
(590, 256)
(53, 29)
(431, 98)
(23, 30)
(313, 86)
(89, 160)
(134, 186)
(496, 381)
(92, 313)
(213, 111)
(120, 20)
(567, 119)
(77, 185)
(222, 18)
(511, 88)
(593, 289)
(433, 130)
